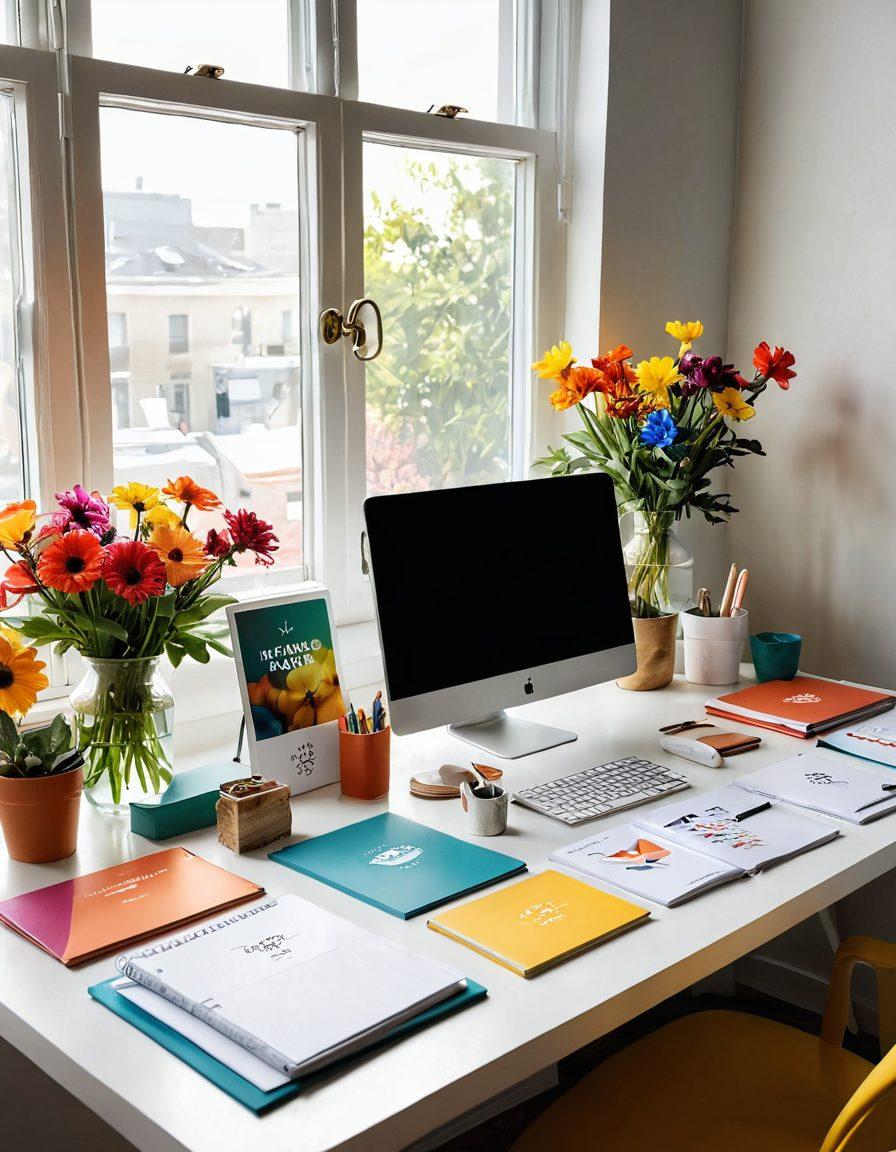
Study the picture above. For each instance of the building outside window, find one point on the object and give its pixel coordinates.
(178, 333)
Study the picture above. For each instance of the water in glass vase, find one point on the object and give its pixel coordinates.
(659, 566)
(124, 712)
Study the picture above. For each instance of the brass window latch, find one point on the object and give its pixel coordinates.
(333, 325)
(449, 111)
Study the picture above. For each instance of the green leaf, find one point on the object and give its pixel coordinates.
(208, 606)
(175, 653)
(9, 734)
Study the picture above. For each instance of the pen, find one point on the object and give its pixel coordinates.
(740, 591)
(362, 722)
(752, 812)
(352, 718)
(728, 594)
(378, 712)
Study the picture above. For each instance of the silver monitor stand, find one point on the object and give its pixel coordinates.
(508, 737)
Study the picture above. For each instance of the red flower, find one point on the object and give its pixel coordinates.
(252, 535)
(73, 563)
(17, 582)
(774, 365)
(217, 544)
(134, 571)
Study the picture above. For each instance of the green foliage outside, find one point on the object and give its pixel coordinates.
(438, 398)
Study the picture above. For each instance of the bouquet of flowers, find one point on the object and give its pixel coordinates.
(121, 601)
(658, 430)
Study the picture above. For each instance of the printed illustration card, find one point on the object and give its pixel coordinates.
(288, 671)
(398, 865)
(538, 922)
(875, 742)
(737, 827)
(826, 785)
(647, 866)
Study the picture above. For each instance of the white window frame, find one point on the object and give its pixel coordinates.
(72, 390)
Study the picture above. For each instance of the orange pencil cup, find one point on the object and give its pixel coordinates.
(364, 764)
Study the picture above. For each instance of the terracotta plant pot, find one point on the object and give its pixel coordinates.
(655, 650)
(39, 815)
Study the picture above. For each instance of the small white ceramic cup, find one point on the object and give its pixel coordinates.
(486, 808)
(713, 646)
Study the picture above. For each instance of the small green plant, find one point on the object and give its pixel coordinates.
(43, 751)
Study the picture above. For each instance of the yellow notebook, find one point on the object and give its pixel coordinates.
(543, 919)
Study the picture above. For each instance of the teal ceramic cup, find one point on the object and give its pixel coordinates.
(776, 655)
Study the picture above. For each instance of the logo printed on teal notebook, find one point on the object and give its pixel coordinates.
(396, 856)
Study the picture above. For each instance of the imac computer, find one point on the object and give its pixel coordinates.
(497, 595)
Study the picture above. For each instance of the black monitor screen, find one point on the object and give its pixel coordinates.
(478, 582)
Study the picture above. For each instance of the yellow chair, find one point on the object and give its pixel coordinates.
(730, 1082)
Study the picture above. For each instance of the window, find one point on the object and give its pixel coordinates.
(215, 221)
(179, 333)
(180, 200)
(453, 56)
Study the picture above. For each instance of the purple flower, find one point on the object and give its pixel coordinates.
(82, 509)
(709, 373)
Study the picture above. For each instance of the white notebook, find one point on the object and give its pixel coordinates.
(822, 785)
(645, 865)
(723, 824)
(294, 985)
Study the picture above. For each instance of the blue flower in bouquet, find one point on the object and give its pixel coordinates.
(659, 429)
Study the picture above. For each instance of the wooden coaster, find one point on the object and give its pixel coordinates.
(444, 783)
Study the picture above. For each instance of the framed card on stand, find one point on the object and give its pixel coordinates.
(287, 665)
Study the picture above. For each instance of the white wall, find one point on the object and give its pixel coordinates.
(814, 260)
(814, 254)
(668, 187)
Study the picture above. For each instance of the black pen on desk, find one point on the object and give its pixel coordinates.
(752, 812)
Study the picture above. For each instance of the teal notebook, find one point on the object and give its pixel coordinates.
(398, 865)
(235, 1085)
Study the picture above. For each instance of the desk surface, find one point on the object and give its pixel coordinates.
(524, 1026)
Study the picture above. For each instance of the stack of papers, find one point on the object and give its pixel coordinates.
(828, 786)
(282, 989)
(874, 742)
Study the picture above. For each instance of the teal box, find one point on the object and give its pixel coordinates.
(187, 804)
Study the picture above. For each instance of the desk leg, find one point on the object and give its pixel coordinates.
(828, 918)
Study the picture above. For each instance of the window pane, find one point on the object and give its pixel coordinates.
(251, 42)
(447, 54)
(438, 259)
(12, 464)
(202, 265)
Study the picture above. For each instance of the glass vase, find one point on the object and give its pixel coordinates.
(124, 712)
(658, 565)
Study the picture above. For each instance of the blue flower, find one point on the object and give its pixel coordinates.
(659, 429)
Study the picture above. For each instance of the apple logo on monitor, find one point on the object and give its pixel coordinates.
(529, 687)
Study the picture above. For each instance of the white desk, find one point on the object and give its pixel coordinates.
(391, 1100)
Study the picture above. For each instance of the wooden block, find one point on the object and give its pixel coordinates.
(248, 822)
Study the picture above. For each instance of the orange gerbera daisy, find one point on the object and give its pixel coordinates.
(192, 494)
(181, 553)
(73, 563)
(21, 677)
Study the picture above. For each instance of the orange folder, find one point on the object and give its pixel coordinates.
(87, 916)
(802, 707)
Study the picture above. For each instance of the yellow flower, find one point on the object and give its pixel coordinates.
(731, 404)
(12, 636)
(556, 362)
(137, 497)
(161, 516)
(17, 523)
(686, 331)
(656, 376)
(21, 677)
(180, 552)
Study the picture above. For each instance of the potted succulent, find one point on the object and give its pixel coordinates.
(41, 779)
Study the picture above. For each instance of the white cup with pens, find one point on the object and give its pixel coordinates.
(714, 641)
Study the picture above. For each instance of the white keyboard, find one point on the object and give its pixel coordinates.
(598, 791)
